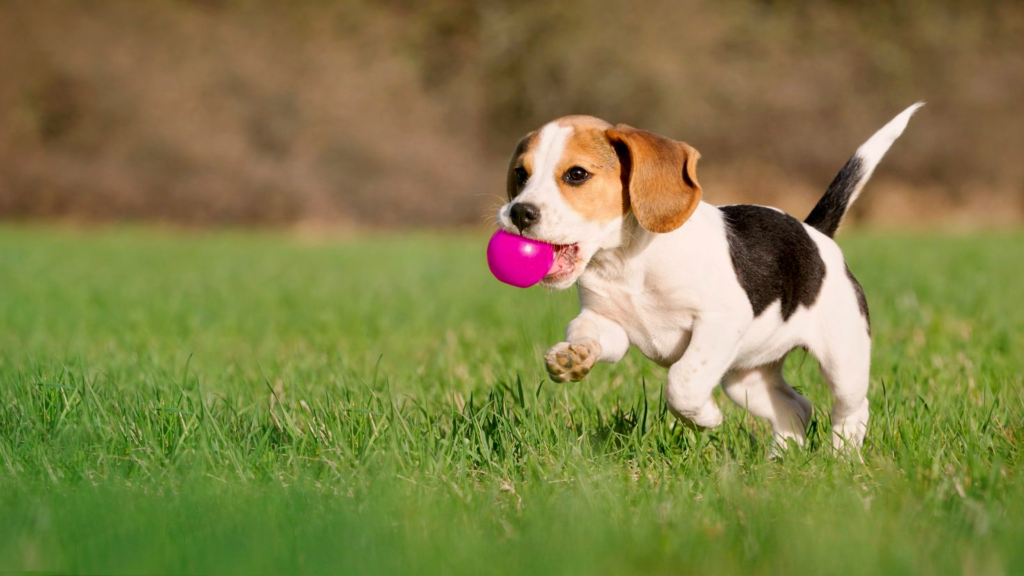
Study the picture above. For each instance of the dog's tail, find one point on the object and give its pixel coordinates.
(829, 211)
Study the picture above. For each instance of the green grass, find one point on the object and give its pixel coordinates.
(415, 432)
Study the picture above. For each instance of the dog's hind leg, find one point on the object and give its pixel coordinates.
(846, 366)
(763, 392)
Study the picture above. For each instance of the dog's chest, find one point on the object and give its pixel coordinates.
(656, 323)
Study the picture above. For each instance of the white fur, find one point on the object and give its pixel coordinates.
(872, 151)
(676, 297)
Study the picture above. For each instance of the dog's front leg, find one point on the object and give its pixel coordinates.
(589, 338)
(691, 380)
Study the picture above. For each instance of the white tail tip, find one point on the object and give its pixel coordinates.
(875, 148)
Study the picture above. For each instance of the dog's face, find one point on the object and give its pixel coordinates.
(574, 183)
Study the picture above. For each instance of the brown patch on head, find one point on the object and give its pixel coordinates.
(521, 158)
(625, 169)
(600, 197)
(581, 122)
(660, 176)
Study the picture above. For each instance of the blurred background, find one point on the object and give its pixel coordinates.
(392, 113)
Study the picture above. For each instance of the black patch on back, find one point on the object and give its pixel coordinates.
(862, 301)
(829, 211)
(774, 257)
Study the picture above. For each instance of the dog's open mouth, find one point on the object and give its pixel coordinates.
(565, 263)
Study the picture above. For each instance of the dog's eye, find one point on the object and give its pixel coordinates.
(521, 176)
(576, 176)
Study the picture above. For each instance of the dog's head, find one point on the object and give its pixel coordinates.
(574, 183)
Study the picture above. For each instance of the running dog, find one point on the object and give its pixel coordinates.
(716, 294)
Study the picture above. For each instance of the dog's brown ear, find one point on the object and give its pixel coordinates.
(659, 176)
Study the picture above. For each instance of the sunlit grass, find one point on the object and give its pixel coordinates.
(247, 403)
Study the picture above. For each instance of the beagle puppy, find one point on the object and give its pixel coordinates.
(714, 294)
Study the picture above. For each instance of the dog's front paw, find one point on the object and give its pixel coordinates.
(572, 361)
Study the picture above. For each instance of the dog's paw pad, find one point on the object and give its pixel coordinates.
(581, 351)
(570, 362)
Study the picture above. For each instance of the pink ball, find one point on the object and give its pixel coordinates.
(519, 261)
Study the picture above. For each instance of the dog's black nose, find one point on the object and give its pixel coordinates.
(524, 215)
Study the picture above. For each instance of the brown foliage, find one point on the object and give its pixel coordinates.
(218, 111)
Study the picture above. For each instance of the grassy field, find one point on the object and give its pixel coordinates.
(258, 403)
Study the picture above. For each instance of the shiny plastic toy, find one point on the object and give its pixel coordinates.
(519, 261)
